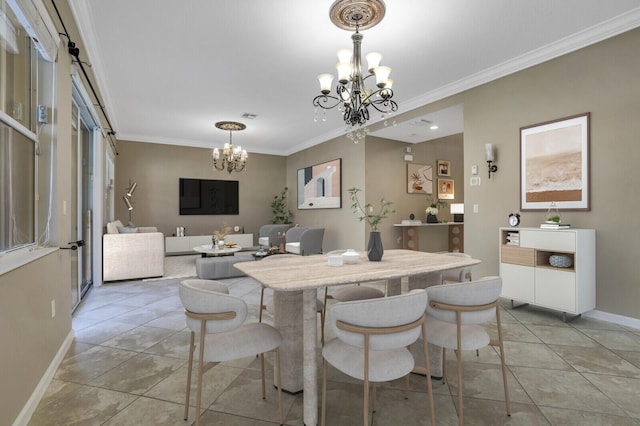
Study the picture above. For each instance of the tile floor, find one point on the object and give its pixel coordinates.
(127, 366)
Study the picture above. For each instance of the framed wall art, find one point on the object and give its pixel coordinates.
(444, 168)
(445, 189)
(554, 164)
(419, 178)
(320, 186)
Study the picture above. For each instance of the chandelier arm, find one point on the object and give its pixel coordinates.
(321, 100)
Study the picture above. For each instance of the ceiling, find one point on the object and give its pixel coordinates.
(168, 70)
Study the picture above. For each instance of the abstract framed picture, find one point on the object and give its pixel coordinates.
(446, 189)
(444, 168)
(554, 164)
(419, 178)
(320, 186)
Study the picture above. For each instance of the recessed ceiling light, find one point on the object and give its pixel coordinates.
(434, 127)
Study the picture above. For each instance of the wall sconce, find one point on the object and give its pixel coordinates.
(457, 210)
(488, 156)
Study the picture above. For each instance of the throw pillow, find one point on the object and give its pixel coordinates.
(127, 230)
(112, 228)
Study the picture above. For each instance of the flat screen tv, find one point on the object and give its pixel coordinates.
(208, 197)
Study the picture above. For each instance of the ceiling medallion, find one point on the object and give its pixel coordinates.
(346, 14)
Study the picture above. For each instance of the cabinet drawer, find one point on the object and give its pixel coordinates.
(548, 240)
(517, 255)
(556, 289)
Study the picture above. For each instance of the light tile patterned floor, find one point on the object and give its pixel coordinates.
(127, 366)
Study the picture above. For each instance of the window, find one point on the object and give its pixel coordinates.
(23, 73)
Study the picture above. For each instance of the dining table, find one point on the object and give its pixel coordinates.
(296, 280)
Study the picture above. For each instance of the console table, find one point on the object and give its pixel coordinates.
(410, 234)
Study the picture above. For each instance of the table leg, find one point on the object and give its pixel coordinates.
(310, 360)
(287, 318)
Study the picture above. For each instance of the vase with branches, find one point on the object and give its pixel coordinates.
(365, 212)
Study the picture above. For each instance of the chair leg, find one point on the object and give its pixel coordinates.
(365, 410)
(262, 370)
(192, 347)
(323, 314)
(459, 362)
(444, 364)
(427, 364)
(406, 386)
(279, 378)
(261, 306)
(200, 373)
(324, 392)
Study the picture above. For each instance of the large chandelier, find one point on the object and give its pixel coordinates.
(353, 97)
(232, 158)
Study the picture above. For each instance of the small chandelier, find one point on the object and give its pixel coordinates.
(353, 97)
(232, 158)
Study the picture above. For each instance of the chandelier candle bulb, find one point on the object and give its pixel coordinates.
(382, 76)
(344, 55)
(326, 80)
(373, 59)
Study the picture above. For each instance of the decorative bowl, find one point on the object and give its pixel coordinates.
(350, 257)
(560, 261)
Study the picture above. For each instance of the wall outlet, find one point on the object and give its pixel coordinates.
(475, 208)
(474, 181)
(474, 169)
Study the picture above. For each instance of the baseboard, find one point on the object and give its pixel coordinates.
(33, 401)
(613, 318)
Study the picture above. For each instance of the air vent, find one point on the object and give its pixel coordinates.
(249, 116)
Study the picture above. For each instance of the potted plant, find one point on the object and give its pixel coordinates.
(279, 207)
(432, 210)
(366, 213)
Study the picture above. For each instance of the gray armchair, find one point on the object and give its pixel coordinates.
(269, 234)
(304, 241)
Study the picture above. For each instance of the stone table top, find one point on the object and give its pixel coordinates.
(289, 273)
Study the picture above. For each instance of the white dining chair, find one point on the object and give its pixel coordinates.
(371, 343)
(455, 315)
(218, 320)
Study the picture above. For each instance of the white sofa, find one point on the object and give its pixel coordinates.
(132, 253)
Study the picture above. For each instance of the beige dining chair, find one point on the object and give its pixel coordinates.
(371, 343)
(458, 275)
(218, 320)
(454, 316)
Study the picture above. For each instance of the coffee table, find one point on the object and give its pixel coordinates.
(208, 250)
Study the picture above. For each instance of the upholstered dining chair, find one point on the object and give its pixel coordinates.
(454, 316)
(458, 275)
(348, 293)
(218, 320)
(371, 343)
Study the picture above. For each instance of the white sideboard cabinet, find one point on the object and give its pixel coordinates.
(528, 276)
